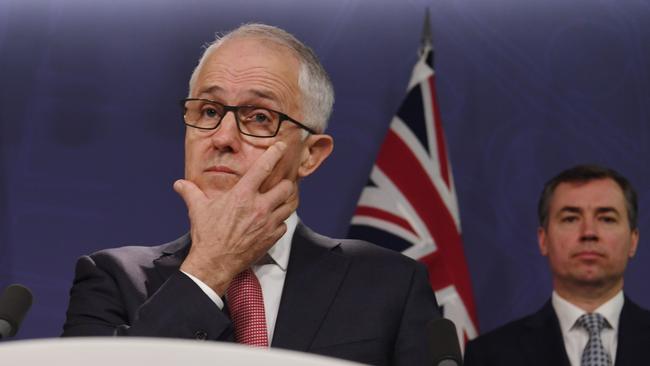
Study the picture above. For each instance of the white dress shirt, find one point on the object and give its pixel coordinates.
(576, 337)
(270, 271)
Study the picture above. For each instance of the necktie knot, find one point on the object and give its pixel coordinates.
(246, 305)
(594, 353)
(592, 322)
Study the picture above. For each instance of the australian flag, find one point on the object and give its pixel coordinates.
(409, 203)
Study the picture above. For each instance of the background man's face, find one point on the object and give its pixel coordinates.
(244, 71)
(588, 239)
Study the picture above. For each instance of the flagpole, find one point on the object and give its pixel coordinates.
(426, 40)
(392, 210)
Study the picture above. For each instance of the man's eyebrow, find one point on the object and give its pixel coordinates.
(211, 90)
(607, 209)
(599, 210)
(258, 93)
(571, 209)
(264, 94)
(262, 98)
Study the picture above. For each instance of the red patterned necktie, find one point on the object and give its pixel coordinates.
(246, 306)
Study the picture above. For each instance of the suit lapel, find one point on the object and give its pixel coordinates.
(170, 260)
(542, 341)
(314, 274)
(633, 335)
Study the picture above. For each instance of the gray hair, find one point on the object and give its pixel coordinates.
(315, 85)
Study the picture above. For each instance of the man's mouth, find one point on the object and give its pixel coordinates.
(588, 255)
(220, 169)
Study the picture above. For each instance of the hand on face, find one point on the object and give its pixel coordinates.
(231, 231)
(239, 189)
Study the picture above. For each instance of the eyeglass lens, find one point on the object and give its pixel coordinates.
(251, 120)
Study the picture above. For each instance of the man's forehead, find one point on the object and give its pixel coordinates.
(252, 68)
(593, 194)
(266, 48)
(215, 91)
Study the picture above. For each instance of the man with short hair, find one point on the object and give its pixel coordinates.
(249, 271)
(588, 231)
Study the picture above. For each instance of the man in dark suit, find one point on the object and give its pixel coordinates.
(588, 231)
(248, 270)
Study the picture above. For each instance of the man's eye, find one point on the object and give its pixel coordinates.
(608, 219)
(261, 118)
(209, 112)
(258, 116)
(569, 219)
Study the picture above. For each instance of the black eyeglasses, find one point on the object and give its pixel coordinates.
(251, 120)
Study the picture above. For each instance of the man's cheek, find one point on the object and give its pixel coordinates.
(280, 171)
(190, 168)
(270, 181)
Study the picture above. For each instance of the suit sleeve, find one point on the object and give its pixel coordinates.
(412, 345)
(105, 301)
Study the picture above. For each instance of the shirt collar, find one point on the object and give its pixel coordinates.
(279, 252)
(568, 313)
(611, 310)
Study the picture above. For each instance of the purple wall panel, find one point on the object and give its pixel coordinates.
(91, 134)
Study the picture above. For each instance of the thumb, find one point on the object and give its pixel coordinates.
(189, 192)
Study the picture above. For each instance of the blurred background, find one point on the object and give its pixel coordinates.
(91, 132)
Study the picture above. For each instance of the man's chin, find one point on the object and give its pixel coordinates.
(590, 278)
(216, 191)
(217, 187)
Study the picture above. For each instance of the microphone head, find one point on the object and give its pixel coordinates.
(14, 304)
(444, 342)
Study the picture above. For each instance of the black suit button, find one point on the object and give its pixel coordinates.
(200, 335)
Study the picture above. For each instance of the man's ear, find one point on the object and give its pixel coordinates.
(317, 149)
(541, 241)
(633, 243)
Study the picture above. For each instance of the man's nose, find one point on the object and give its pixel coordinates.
(227, 133)
(589, 230)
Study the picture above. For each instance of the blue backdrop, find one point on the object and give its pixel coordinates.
(91, 135)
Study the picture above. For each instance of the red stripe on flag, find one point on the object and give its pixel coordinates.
(397, 161)
(440, 135)
(384, 215)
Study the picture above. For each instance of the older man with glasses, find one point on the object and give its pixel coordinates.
(248, 270)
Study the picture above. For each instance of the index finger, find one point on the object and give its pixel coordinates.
(263, 166)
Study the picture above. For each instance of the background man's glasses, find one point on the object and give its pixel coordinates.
(251, 120)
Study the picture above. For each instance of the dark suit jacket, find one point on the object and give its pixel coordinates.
(537, 340)
(342, 298)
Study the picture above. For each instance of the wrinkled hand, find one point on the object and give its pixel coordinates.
(232, 231)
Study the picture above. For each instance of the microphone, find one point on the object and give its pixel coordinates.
(14, 304)
(444, 343)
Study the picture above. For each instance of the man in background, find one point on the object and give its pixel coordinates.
(588, 232)
(249, 271)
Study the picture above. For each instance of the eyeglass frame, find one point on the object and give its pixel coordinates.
(235, 109)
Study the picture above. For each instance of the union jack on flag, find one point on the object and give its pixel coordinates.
(409, 203)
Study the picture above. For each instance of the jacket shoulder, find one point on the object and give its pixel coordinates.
(497, 347)
(367, 250)
(139, 253)
(362, 253)
(505, 334)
